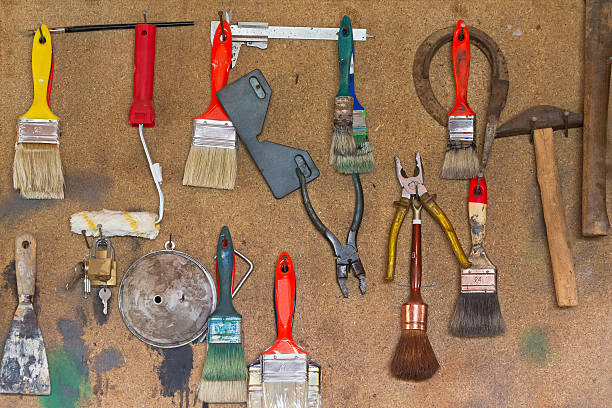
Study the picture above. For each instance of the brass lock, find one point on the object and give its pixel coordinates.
(100, 267)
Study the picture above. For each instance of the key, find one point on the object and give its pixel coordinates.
(104, 294)
(79, 273)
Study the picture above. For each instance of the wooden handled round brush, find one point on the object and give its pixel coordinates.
(414, 357)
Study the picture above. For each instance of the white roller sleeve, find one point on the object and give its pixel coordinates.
(115, 223)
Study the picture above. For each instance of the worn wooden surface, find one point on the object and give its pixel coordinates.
(549, 357)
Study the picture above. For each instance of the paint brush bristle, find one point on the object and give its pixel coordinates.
(460, 161)
(37, 171)
(414, 357)
(477, 315)
(343, 142)
(224, 375)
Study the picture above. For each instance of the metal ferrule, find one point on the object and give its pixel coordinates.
(38, 131)
(359, 123)
(461, 128)
(214, 133)
(414, 316)
(224, 329)
(284, 367)
(478, 280)
(254, 382)
(343, 110)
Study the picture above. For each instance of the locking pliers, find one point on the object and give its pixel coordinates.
(413, 188)
(346, 255)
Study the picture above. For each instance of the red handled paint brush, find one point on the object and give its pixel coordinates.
(282, 377)
(212, 160)
(461, 159)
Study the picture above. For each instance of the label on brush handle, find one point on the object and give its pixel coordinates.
(478, 280)
(224, 330)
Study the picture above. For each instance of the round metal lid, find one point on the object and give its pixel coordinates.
(165, 298)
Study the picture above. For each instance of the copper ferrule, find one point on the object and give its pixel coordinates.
(343, 110)
(414, 316)
(475, 280)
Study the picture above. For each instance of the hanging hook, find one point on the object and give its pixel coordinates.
(223, 36)
(144, 15)
(42, 38)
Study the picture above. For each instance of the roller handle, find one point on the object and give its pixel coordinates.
(554, 216)
(400, 213)
(477, 211)
(220, 64)
(25, 266)
(429, 202)
(461, 69)
(141, 111)
(225, 274)
(345, 49)
(415, 263)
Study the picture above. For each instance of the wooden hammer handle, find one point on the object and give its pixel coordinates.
(554, 216)
(597, 50)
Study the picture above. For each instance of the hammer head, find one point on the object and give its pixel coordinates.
(539, 117)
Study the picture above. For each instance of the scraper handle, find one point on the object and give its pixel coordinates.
(477, 211)
(141, 111)
(25, 266)
(461, 69)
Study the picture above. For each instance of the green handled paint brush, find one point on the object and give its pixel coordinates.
(225, 372)
(343, 142)
(363, 160)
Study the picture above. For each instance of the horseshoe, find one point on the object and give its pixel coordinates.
(499, 80)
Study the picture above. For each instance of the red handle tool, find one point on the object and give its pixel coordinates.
(475, 196)
(141, 111)
(415, 264)
(461, 69)
(284, 300)
(220, 64)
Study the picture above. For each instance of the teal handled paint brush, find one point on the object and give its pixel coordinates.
(282, 376)
(363, 160)
(343, 142)
(225, 372)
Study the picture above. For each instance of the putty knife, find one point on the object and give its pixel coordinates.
(24, 368)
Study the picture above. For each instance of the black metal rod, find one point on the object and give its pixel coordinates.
(103, 27)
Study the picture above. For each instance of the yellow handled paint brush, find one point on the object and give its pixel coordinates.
(37, 167)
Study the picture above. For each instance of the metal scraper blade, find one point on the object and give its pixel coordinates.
(24, 368)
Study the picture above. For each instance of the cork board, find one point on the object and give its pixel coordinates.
(548, 357)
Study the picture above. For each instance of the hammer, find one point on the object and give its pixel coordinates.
(541, 121)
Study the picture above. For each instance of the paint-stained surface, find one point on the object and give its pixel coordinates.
(107, 360)
(69, 368)
(535, 345)
(352, 338)
(174, 373)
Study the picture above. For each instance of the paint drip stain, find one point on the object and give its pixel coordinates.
(174, 373)
(12, 207)
(104, 362)
(535, 345)
(68, 369)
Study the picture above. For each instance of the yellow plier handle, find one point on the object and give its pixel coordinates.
(429, 202)
(402, 206)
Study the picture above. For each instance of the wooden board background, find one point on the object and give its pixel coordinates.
(548, 357)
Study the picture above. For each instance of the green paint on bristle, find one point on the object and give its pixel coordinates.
(363, 160)
(70, 386)
(224, 362)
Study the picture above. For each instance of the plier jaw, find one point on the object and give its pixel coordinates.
(411, 186)
(342, 267)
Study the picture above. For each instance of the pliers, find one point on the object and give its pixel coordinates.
(414, 189)
(346, 255)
